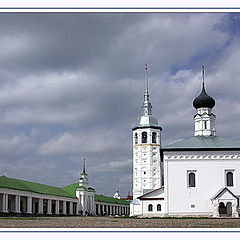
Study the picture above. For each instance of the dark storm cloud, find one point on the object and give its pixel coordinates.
(71, 86)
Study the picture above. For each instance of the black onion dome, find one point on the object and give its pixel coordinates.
(203, 100)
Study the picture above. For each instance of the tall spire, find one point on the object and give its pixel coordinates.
(147, 107)
(203, 75)
(83, 181)
(146, 77)
(84, 166)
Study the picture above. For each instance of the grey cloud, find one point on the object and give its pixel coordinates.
(15, 146)
(71, 86)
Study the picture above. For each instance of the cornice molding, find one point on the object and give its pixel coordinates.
(202, 157)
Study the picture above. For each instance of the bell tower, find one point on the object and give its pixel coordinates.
(146, 149)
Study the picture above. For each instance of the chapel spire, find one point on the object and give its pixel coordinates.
(147, 107)
(83, 181)
(84, 166)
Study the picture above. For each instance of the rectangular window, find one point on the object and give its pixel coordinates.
(205, 124)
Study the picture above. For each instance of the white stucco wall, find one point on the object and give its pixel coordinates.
(145, 204)
(210, 169)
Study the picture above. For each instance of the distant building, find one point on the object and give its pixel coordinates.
(29, 198)
(198, 176)
(129, 197)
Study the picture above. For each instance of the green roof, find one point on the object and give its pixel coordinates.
(71, 189)
(67, 191)
(17, 184)
(106, 199)
(199, 142)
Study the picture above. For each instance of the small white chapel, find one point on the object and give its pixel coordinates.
(197, 176)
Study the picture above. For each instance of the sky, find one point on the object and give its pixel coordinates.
(72, 85)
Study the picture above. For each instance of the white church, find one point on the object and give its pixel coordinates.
(197, 176)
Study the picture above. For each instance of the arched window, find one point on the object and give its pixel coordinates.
(191, 180)
(154, 137)
(150, 207)
(144, 137)
(159, 207)
(136, 138)
(229, 179)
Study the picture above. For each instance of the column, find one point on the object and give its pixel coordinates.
(78, 208)
(29, 205)
(83, 204)
(215, 211)
(40, 206)
(71, 208)
(5, 203)
(75, 207)
(99, 213)
(234, 210)
(106, 206)
(17, 204)
(93, 203)
(110, 210)
(49, 206)
(57, 207)
(100, 208)
(64, 207)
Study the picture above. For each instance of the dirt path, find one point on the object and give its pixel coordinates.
(114, 222)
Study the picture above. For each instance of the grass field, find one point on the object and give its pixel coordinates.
(117, 222)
